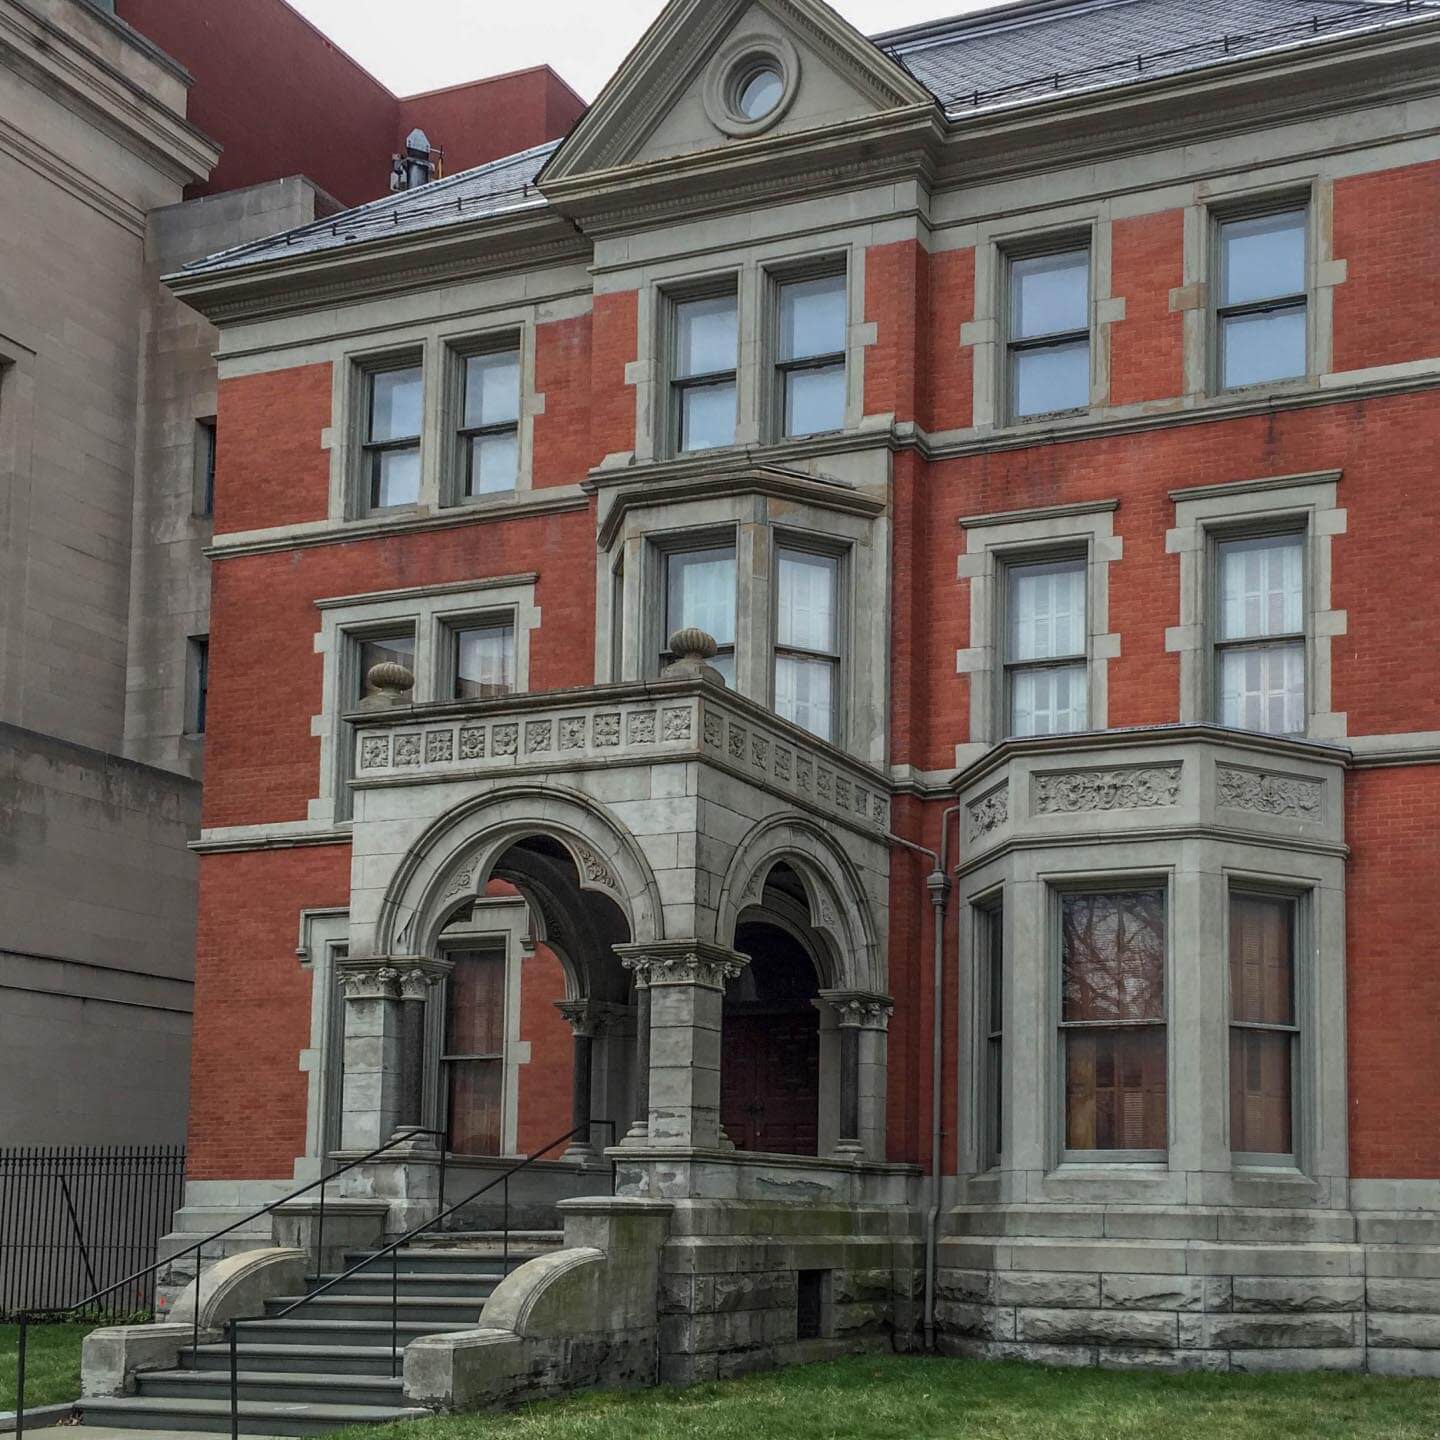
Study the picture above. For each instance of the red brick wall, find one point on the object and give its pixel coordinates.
(615, 344)
(1147, 359)
(262, 763)
(545, 1083)
(269, 467)
(1387, 230)
(1392, 819)
(252, 1009)
(563, 449)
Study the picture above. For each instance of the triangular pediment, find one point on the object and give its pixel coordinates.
(678, 92)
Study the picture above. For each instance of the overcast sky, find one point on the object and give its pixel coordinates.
(426, 44)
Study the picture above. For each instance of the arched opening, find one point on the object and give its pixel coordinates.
(771, 1057)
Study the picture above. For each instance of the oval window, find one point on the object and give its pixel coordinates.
(760, 93)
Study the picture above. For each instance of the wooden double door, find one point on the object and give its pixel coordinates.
(770, 1077)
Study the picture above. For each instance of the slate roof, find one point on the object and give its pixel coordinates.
(973, 64)
(997, 59)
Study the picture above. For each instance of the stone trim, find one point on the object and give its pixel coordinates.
(682, 962)
(991, 542)
(1206, 512)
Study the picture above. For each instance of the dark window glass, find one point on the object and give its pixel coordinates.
(993, 935)
(389, 650)
(1113, 1017)
(484, 662)
(1263, 1032)
(201, 653)
(205, 441)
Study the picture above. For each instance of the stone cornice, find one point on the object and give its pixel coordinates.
(674, 481)
(83, 80)
(1090, 741)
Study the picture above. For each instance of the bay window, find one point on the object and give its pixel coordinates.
(1048, 351)
(393, 422)
(992, 989)
(1260, 642)
(1113, 1025)
(489, 433)
(1262, 319)
(1046, 647)
(705, 372)
(807, 641)
(700, 594)
(1263, 1024)
(810, 362)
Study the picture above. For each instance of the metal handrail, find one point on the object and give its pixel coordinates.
(26, 1317)
(393, 1249)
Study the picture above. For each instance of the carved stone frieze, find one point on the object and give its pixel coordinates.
(987, 814)
(1290, 796)
(1133, 788)
(595, 870)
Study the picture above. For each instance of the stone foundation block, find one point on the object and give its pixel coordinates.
(1269, 1332)
(1164, 1292)
(1414, 1364)
(980, 1322)
(688, 1369)
(1189, 1361)
(966, 1287)
(1300, 1295)
(1270, 1362)
(1417, 1262)
(866, 1287)
(1406, 1332)
(721, 1293)
(1042, 1290)
(1096, 1327)
(857, 1319)
(1408, 1297)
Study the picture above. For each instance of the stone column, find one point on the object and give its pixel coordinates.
(686, 982)
(415, 986)
(582, 1020)
(373, 1055)
(640, 1129)
(863, 1020)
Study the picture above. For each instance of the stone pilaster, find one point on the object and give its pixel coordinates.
(685, 981)
(863, 1021)
(374, 1061)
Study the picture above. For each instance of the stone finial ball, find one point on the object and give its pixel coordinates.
(390, 676)
(692, 644)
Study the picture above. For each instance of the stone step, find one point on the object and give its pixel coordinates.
(309, 1387)
(439, 1283)
(292, 1359)
(447, 1260)
(257, 1417)
(296, 1331)
(458, 1311)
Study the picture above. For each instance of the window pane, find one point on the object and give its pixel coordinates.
(395, 399)
(1264, 689)
(1261, 587)
(494, 462)
(1049, 295)
(706, 337)
(1263, 258)
(475, 1004)
(395, 478)
(475, 1088)
(1262, 979)
(399, 650)
(805, 694)
(725, 664)
(1049, 702)
(484, 662)
(1055, 378)
(1261, 347)
(1113, 955)
(1046, 610)
(995, 1044)
(1115, 1089)
(1260, 1085)
(701, 594)
(812, 318)
(707, 416)
(492, 389)
(815, 401)
(807, 601)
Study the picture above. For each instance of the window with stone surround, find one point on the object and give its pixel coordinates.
(1264, 1025)
(808, 640)
(1048, 360)
(482, 659)
(1262, 296)
(812, 322)
(699, 593)
(1113, 1023)
(704, 345)
(1260, 641)
(1046, 646)
(392, 423)
(488, 429)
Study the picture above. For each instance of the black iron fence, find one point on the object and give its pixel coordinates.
(79, 1219)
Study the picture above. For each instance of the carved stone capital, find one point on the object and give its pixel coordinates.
(416, 984)
(370, 982)
(859, 1009)
(682, 962)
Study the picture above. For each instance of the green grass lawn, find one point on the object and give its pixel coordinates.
(52, 1364)
(895, 1398)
